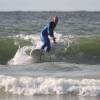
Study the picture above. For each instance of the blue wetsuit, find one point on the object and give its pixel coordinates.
(48, 30)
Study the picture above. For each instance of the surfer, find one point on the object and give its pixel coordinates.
(48, 31)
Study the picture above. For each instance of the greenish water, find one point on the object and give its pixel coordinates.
(9, 46)
(90, 45)
(7, 49)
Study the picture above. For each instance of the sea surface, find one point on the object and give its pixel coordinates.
(70, 71)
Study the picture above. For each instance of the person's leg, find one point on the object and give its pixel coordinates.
(43, 46)
(48, 45)
(43, 40)
(46, 42)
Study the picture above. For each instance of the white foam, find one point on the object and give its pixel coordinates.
(35, 38)
(57, 86)
(21, 57)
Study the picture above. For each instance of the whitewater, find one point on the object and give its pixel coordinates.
(51, 79)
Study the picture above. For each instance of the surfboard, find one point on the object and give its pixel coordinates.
(35, 52)
(41, 56)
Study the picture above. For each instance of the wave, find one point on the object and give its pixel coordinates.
(48, 85)
(7, 49)
(69, 48)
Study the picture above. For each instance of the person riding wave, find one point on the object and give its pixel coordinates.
(48, 30)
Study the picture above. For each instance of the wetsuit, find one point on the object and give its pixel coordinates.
(48, 30)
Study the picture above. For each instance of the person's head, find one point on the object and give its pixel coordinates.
(55, 19)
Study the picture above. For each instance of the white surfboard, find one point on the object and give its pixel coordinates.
(40, 56)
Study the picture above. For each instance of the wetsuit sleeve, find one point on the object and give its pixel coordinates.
(51, 27)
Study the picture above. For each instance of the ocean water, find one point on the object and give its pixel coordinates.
(70, 71)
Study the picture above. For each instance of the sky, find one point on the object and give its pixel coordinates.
(49, 5)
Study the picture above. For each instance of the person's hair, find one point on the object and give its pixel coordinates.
(55, 19)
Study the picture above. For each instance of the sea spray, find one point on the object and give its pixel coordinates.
(21, 57)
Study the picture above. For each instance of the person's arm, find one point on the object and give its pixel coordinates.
(50, 31)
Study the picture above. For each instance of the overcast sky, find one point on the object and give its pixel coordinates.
(49, 5)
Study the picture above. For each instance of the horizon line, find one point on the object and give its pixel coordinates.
(49, 11)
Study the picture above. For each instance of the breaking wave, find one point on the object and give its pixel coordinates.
(48, 85)
(69, 48)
